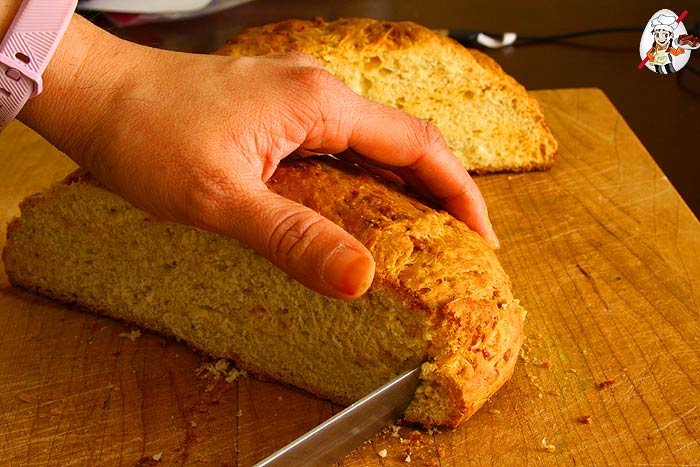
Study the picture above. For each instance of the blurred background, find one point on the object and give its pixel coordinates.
(663, 110)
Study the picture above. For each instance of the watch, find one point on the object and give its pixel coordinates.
(26, 49)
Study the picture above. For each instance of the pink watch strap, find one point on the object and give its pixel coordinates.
(26, 50)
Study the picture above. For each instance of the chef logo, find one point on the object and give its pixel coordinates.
(665, 46)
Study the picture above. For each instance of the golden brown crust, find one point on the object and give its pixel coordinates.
(352, 48)
(296, 35)
(400, 231)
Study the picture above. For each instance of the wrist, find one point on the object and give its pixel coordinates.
(79, 84)
(26, 50)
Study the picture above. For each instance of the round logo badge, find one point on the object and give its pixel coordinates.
(666, 45)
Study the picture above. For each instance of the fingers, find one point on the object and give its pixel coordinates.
(308, 247)
(460, 195)
(412, 148)
(461, 205)
(422, 158)
(381, 171)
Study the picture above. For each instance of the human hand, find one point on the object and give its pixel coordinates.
(194, 138)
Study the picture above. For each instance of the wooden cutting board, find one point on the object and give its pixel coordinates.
(602, 252)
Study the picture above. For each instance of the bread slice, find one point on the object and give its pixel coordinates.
(488, 119)
(439, 298)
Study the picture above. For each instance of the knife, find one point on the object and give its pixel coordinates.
(339, 435)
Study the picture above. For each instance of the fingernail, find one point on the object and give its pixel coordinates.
(493, 240)
(348, 271)
(490, 236)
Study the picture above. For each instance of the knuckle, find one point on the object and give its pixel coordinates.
(427, 141)
(430, 136)
(293, 236)
(326, 104)
(302, 59)
(316, 80)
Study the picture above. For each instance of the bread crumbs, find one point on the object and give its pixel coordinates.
(133, 335)
(219, 369)
(382, 453)
(585, 419)
(548, 447)
(606, 384)
(26, 398)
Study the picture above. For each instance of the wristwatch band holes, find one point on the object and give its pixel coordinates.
(13, 74)
(22, 58)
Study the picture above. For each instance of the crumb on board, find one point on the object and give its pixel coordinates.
(156, 457)
(547, 446)
(382, 453)
(494, 411)
(585, 419)
(26, 398)
(606, 384)
(133, 335)
(219, 369)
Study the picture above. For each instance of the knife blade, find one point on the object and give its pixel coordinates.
(349, 428)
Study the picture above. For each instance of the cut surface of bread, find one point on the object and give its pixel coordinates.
(487, 118)
(440, 298)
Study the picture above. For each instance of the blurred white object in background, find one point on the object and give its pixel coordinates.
(150, 7)
(129, 12)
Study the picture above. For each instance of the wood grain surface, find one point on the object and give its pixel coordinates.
(602, 252)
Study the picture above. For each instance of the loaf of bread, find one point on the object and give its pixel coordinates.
(440, 298)
(488, 119)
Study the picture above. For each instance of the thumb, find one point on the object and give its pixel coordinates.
(308, 247)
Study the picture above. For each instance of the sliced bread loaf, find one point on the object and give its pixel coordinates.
(440, 298)
(488, 119)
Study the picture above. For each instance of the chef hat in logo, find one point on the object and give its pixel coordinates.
(665, 22)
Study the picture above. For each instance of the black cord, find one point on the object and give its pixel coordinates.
(468, 37)
(572, 35)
